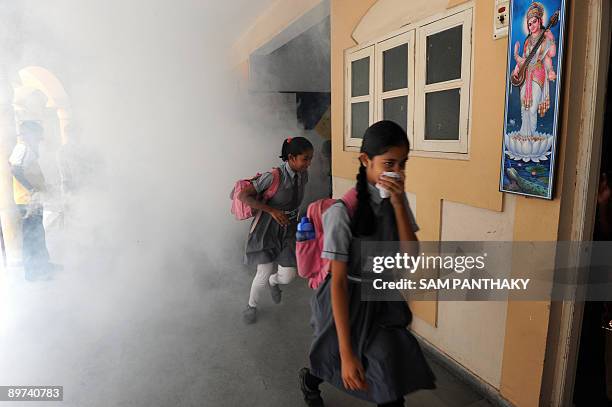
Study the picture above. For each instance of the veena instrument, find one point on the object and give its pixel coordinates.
(519, 78)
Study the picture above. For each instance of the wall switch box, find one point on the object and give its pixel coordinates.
(501, 18)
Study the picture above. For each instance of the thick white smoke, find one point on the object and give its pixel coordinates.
(148, 236)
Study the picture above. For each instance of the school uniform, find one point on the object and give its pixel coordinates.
(268, 242)
(391, 356)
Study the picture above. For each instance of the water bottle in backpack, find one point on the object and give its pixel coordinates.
(311, 236)
(305, 230)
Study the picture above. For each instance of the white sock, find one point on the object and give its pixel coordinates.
(260, 282)
(285, 275)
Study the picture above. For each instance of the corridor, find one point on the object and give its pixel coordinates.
(178, 341)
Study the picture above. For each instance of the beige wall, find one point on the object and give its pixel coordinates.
(472, 332)
(512, 357)
(474, 182)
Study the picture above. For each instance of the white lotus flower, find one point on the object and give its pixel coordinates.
(534, 148)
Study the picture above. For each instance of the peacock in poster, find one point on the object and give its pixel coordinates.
(532, 95)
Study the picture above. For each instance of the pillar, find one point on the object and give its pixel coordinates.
(9, 218)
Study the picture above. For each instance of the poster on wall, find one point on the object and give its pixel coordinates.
(535, 49)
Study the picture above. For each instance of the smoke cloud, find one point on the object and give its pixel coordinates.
(162, 132)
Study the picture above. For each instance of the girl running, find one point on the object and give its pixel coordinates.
(272, 236)
(363, 347)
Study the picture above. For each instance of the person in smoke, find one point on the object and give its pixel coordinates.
(272, 237)
(363, 347)
(28, 185)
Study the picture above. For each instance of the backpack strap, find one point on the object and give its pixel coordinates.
(273, 188)
(255, 222)
(350, 201)
(268, 194)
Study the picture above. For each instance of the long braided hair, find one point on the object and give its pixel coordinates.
(377, 140)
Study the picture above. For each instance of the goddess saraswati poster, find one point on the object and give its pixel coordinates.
(535, 48)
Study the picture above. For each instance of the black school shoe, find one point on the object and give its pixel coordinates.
(311, 397)
(276, 293)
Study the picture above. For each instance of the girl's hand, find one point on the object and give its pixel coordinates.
(279, 216)
(395, 186)
(552, 75)
(353, 374)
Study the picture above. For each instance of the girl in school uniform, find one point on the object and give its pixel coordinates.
(363, 347)
(272, 236)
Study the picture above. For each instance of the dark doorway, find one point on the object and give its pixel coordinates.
(590, 388)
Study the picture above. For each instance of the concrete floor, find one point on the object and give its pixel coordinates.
(171, 343)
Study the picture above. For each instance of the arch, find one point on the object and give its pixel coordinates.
(38, 79)
(388, 15)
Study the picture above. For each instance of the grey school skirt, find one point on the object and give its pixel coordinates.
(270, 242)
(391, 356)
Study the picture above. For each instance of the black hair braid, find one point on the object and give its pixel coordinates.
(363, 222)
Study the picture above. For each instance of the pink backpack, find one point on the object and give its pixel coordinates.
(310, 265)
(243, 211)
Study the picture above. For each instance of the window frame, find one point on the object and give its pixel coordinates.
(413, 34)
(350, 57)
(464, 19)
(380, 96)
